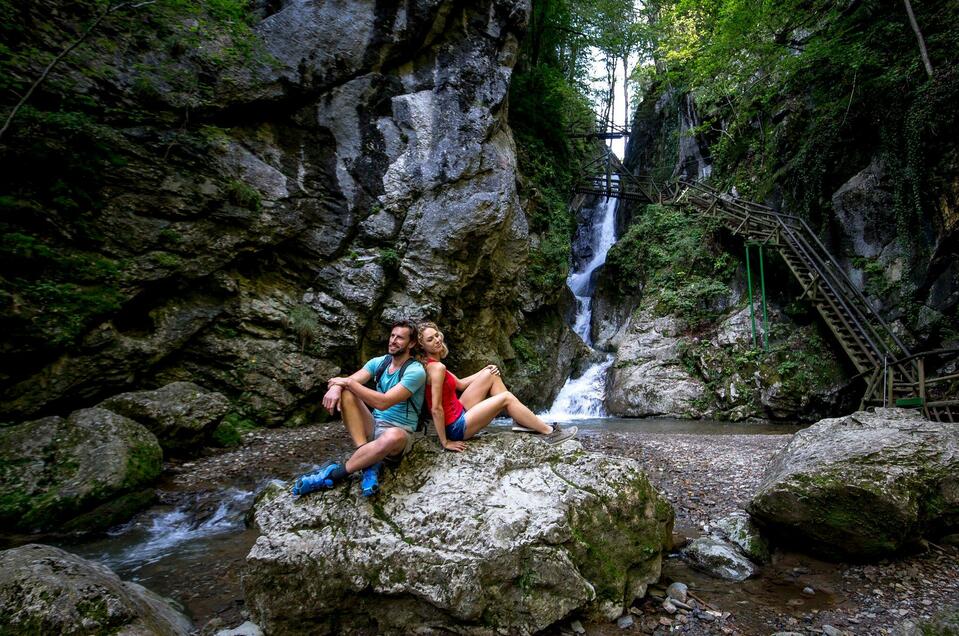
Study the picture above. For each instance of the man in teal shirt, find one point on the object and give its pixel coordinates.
(387, 431)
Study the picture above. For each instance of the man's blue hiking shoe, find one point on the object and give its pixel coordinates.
(319, 479)
(370, 480)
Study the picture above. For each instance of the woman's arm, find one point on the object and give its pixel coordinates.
(463, 383)
(437, 373)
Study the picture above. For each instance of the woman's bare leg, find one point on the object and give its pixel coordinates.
(478, 390)
(479, 417)
(481, 388)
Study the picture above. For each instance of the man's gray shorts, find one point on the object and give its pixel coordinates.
(379, 426)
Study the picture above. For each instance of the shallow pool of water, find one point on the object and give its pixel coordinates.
(668, 426)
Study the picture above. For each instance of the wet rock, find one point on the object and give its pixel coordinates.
(829, 630)
(544, 530)
(646, 378)
(625, 622)
(719, 559)
(808, 591)
(863, 486)
(181, 414)
(246, 629)
(85, 472)
(678, 591)
(861, 206)
(741, 531)
(577, 627)
(45, 590)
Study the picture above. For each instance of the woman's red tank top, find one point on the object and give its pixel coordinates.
(452, 407)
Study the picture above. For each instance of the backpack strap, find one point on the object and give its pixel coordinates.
(381, 369)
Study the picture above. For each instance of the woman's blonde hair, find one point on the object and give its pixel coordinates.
(430, 325)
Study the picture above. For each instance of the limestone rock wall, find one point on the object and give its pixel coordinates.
(265, 223)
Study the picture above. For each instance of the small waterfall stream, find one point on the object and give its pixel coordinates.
(582, 397)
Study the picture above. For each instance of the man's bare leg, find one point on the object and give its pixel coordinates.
(391, 442)
(357, 418)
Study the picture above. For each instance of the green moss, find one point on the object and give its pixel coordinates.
(527, 354)
(166, 259)
(243, 195)
(229, 432)
(143, 466)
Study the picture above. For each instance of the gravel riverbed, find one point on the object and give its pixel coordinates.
(705, 476)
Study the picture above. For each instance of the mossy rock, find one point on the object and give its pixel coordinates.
(85, 472)
(863, 487)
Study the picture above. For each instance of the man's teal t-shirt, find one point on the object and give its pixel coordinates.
(414, 380)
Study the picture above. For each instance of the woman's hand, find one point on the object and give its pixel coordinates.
(492, 368)
(456, 447)
(343, 383)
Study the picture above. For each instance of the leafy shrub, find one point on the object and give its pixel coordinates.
(243, 195)
(304, 322)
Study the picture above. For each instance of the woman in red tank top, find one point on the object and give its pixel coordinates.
(483, 396)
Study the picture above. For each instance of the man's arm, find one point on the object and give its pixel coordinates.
(331, 401)
(375, 399)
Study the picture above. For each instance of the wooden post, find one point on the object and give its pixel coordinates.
(890, 396)
(921, 365)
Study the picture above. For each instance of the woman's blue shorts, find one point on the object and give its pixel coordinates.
(456, 430)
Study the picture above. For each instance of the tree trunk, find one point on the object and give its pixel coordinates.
(922, 43)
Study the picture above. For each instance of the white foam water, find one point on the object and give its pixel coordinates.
(160, 533)
(582, 398)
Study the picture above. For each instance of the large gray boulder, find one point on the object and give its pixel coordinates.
(45, 590)
(863, 486)
(647, 377)
(509, 536)
(85, 472)
(180, 414)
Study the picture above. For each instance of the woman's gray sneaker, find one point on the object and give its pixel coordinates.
(560, 434)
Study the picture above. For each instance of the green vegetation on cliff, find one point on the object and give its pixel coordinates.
(672, 254)
(80, 132)
(801, 96)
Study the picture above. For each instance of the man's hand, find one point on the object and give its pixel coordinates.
(331, 401)
(456, 447)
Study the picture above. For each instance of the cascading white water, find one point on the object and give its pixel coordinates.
(582, 397)
(581, 282)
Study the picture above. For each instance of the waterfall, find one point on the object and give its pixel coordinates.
(582, 397)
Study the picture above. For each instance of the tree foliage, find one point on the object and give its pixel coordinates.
(804, 93)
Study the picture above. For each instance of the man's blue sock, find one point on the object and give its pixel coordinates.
(339, 473)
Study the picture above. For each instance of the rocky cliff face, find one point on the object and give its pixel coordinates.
(259, 202)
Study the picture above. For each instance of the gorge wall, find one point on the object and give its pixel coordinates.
(247, 200)
(871, 173)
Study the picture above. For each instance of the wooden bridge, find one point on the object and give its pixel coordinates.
(894, 376)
